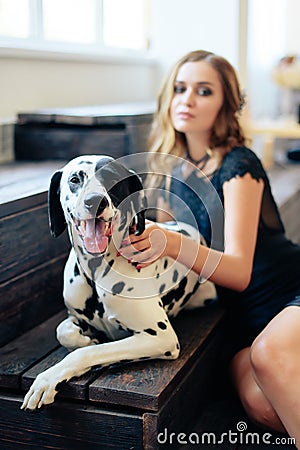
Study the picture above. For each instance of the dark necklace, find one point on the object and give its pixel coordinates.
(201, 161)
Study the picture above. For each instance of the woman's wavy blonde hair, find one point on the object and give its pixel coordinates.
(226, 133)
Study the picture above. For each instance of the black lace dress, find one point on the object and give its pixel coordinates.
(275, 280)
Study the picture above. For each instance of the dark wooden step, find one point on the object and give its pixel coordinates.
(152, 394)
(142, 384)
(127, 404)
(23, 183)
(32, 262)
(68, 426)
(26, 350)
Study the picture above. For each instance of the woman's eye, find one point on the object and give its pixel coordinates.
(204, 91)
(179, 89)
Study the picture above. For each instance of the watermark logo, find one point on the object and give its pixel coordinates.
(240, 435)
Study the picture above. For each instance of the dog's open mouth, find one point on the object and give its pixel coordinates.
(95, 233)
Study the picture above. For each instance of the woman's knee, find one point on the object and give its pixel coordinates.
(253, 399)
(261, 356)
(275, 350)
(268, 358)
(258, 408)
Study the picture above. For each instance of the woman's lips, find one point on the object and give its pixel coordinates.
(185, 115)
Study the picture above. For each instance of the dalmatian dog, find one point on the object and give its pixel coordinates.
(116, 313)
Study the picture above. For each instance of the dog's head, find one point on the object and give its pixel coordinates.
(93, 193)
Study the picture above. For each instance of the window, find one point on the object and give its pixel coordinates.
(93, 26)
(14, 18)
(69, 21)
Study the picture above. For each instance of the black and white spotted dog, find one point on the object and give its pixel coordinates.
(101, 201)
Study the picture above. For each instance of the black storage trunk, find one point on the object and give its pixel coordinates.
(64, 133)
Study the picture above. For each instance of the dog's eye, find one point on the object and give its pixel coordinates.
(75, 179)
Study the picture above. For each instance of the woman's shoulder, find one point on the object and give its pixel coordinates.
(241, 153)
(239, 161)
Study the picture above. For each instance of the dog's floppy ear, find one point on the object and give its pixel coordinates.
(57, 220)
(131, 187)
(121, 183)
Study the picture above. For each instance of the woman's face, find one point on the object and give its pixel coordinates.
(198, 97)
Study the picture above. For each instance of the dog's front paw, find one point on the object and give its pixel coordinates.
(42, 391)
(69, 335)
(76, 341)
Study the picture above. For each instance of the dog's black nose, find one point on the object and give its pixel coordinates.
(96, 204)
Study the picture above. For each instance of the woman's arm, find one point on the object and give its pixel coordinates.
(163, 212)
(231, 268)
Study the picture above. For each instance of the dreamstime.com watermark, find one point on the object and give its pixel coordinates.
(238, 436)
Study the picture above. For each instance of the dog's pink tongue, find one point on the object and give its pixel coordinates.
(95, 240)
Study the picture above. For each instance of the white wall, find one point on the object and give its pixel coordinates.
(182, 26)
(27, 84)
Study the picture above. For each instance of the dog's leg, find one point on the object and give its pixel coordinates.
(203, 296)
(163, 344)
(70, 335)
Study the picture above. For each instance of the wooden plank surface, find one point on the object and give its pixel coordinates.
(26, 350)
(76, 388)
(26, 242)
(148, 384)
(138, 385)
(19, 180)
(30, 298)
(181, 408)
(67, 426)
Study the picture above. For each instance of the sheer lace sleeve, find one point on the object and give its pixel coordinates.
(240, 161)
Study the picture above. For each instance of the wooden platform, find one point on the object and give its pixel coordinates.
(118, 407)
(24, 183)
(121, 407)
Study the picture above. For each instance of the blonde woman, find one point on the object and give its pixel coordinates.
(254, 266)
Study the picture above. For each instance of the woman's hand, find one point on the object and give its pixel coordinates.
(143, 250)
